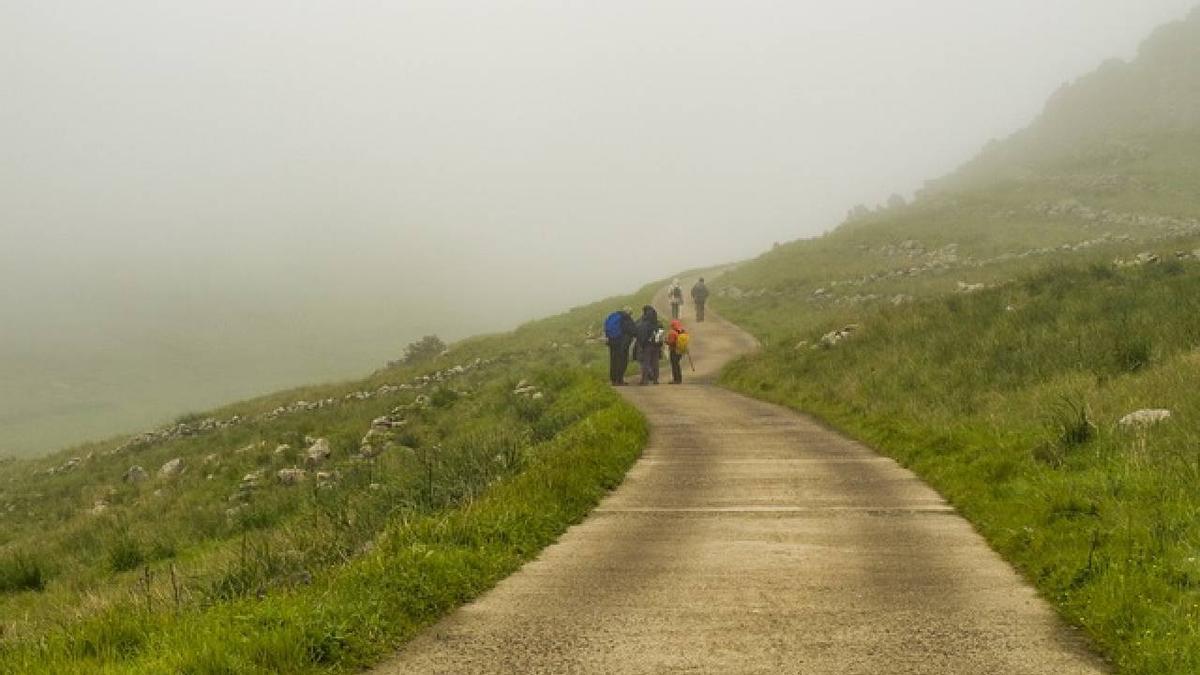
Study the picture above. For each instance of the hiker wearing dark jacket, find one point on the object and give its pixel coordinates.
(699, 296)
(619, 329)
(648, 347)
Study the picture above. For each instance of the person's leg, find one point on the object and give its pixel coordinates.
(622, 360)
(676, 368)
(699, 311)
(655, 362)
(613, 359)
(644, 362)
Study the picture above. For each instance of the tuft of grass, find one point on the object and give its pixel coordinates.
(125, 553)
(21, 571)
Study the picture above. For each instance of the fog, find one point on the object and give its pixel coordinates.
(203, 201)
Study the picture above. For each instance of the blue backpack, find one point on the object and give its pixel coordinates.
(612, 326)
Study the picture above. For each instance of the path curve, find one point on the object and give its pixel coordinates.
(750, 539)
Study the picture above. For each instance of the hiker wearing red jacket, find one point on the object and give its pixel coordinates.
(677, 345)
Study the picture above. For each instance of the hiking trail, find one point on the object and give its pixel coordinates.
(750, 539)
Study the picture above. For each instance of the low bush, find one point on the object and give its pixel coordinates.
(21, 572)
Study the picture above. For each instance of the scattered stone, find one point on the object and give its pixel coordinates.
(964, 287)
(1144, 418)
(317, 453)
(188, 429)
(65, 466)
(135, 474)
(291, 476)
(1144, 258)
(835, 337)
(282, 448)
(172, 468)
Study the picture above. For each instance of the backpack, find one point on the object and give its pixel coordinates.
(612, 326)
(681, 343)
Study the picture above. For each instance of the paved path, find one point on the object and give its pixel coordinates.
(749, 539)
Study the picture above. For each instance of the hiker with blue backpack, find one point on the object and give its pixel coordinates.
(619, 329)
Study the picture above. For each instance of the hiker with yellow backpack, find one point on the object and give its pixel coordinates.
(678, 341)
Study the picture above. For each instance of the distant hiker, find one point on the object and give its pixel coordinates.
(649, 344)
(678, 341)
(699, 296)
(675, 296)
(620, 330)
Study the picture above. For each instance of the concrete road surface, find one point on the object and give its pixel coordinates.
(749, 539)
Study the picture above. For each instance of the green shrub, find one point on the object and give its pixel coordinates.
(125, 553)
(21, 572)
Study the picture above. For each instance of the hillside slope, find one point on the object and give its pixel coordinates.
(993, 335)
(315, 528)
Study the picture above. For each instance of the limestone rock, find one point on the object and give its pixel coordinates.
(317, 453)
(291, 476)
(1144, 418)
(172, 468)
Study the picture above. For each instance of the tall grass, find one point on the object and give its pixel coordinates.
(205, 574)
(1007, 401)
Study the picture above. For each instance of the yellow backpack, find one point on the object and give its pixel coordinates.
(681, 343)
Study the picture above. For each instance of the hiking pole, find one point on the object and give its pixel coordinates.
(691, 362)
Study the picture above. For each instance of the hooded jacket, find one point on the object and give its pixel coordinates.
(647, 325)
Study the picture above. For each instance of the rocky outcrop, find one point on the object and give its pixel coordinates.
(135, 474)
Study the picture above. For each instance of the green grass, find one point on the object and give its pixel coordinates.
(1007, 399)
(420, 566)
(1012, 415)
(195, 574)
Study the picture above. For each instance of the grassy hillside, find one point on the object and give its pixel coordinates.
(229, 549)
(992, 334)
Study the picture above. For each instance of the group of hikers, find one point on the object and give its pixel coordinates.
(647, 337)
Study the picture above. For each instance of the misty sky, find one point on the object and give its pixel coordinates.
(344, 175)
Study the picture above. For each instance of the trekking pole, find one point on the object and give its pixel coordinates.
(691, 362)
